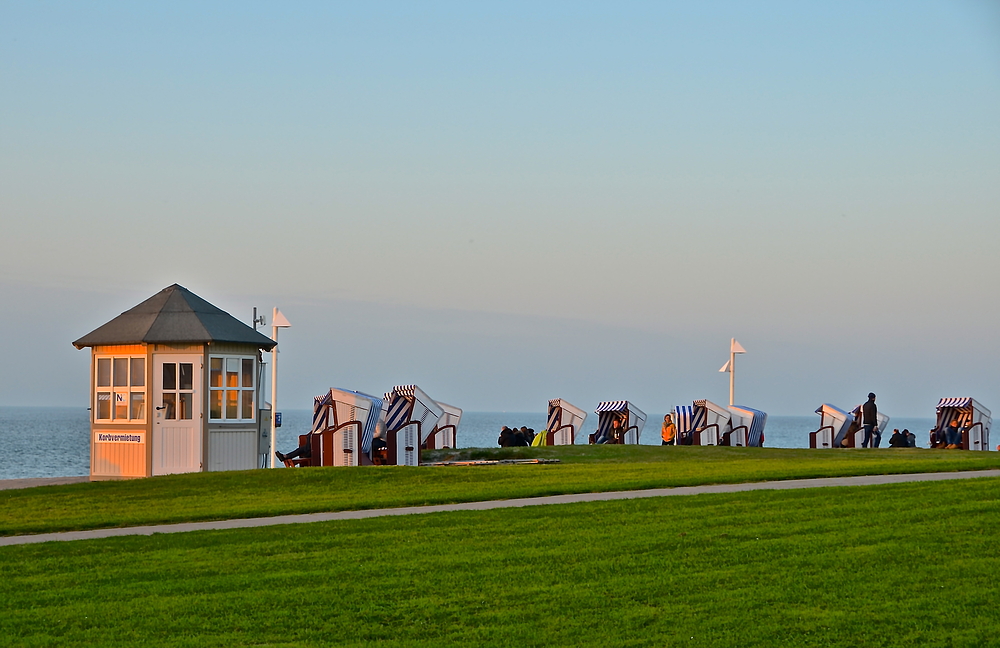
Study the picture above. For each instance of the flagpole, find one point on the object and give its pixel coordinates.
(277, 321)
(732, 371)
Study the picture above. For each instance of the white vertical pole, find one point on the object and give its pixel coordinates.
(274, 385)
(732, 371)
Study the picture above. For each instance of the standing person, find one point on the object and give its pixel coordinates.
(669, 431)
(869, 420)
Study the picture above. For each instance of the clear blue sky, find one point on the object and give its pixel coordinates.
(511, 202)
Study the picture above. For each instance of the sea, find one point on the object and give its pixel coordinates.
(54, 441)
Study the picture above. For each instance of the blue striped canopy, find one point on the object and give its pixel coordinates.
(954, 402)
(755, 431)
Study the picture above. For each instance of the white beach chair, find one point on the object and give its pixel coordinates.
(344, 423)
(711, 423)
(410, 416)
(747, 427)
(972, 417)
(445, 432)
(563, 422)
(632, 421)
(834, 424)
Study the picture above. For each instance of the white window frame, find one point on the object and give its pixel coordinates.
(213, 389)
(114, 392)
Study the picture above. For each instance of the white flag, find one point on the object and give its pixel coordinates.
(725, 368)
(736, 347)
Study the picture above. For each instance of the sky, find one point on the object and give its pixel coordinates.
(510, 202)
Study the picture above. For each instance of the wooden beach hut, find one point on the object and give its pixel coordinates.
(174, 386)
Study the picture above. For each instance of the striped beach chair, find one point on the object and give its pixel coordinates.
(747, 427)
(973, 418)
(410, 417)
(563, 422)
(445, 432)
(632, 421)
(713, 423)
(344, 423)
(834, 426)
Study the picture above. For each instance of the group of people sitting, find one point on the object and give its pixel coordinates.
(949, 438)
(513, 437)
(904, 439)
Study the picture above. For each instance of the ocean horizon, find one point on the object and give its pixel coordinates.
(54, 441)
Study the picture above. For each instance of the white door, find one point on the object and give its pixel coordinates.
(177, 419)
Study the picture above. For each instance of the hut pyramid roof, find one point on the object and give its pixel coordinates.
(174, 315)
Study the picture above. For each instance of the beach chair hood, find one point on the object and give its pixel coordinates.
(408, 403)
(338, 406)
(561, 414)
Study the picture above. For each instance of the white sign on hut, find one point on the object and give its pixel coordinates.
(174, 387)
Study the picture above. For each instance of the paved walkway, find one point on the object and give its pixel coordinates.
(9, 484)
(865, 480)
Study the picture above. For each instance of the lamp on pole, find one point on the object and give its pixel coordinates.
(730, 367)
(277, 321)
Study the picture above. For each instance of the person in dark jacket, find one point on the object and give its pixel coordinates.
(506, 438)
(869, 422)
(911, 438)
(898, 439)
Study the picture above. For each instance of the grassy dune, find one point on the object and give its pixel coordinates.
(899, 565)
(208, 496)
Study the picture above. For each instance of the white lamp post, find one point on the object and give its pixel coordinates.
(277, 321)
(730, 367)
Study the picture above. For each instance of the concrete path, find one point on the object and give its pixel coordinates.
(865, 480)
(8, 484)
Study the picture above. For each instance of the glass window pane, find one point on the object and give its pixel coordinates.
(187, 376)
(247, 372)
(104, 404)
(138, 406)
(121, 406)
(169, 375)
(247, 405)
(232, 401)
(215, 404)
(232, 364)
(215, 372)
(138, 372)
(185, 406)
(121, 372)
(104, 372)
(169, 406)
(233, 378)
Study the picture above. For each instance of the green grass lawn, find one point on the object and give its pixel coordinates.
(896, 565)
(209, 496)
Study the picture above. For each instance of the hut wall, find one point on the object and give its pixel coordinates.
(119, 449)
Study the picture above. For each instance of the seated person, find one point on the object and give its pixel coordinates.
(911, 438)
(303, 451)
(954, 435)
(506, 438)
(616, 435)
(897, 440)
(938, 439)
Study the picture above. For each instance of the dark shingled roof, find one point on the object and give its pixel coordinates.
(174, 315)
